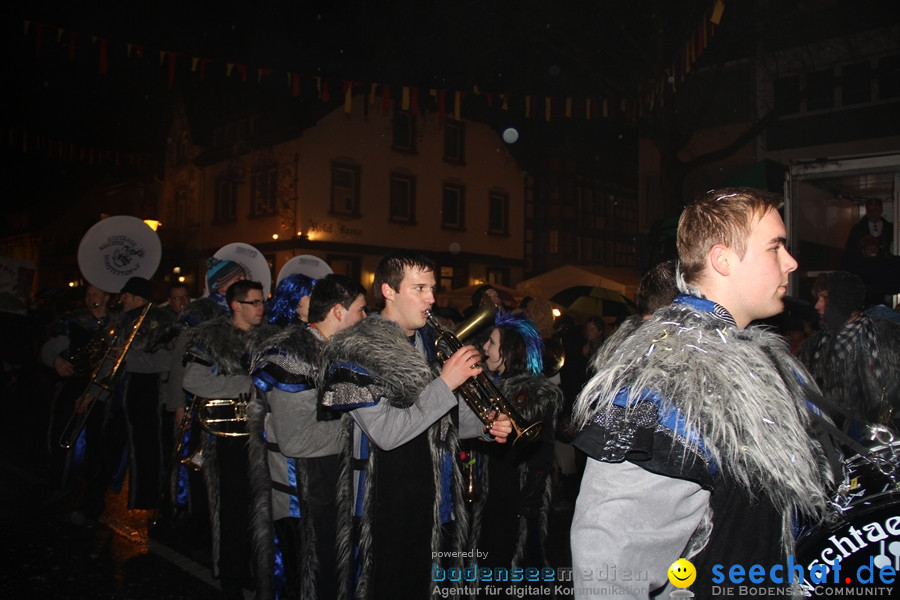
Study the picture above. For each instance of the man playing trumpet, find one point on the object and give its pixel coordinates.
(405, 422)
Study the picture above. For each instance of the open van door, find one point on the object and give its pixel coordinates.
(824, 199)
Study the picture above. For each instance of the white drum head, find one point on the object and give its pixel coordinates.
(252, 260)
(305, 264)
(117, 249)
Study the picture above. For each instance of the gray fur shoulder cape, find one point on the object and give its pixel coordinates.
(157, 330)
(534, 397)
(286, 360)
(716, 400)
(218, 342)
(370, 362)
(356, 360)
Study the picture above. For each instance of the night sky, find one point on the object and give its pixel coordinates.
(611, 48)
(521, 47)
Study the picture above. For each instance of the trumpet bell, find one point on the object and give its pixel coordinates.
(481, 318)
(529, 434)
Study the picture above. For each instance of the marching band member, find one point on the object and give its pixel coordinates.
(405, 421)
(217, 367)
(701, 440)
(510, 517)
(294, 456)
(76, 343)
(148, 361)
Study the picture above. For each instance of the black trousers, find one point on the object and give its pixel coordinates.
(145, 460)
(234, 508)
(105, 443)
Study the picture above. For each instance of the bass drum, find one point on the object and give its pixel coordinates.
(305, 264)
(251, 260)
(863, 532)
(116, 249)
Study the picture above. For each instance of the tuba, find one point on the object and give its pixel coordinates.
(479, 391)
(103, 381)
(111, 251)
(304, 264)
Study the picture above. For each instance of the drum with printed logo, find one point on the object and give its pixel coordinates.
(870, 479)
(863, 531)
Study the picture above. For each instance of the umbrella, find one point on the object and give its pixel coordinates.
(594, 300)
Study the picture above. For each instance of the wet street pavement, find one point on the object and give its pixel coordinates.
(46, 556)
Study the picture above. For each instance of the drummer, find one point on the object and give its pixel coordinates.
(698, 439)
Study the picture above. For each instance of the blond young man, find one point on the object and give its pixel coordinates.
(697, 428)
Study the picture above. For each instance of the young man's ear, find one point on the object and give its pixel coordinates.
(387, 291)
(720, 257)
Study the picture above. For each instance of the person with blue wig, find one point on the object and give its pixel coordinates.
(512, 491)
(290, 303)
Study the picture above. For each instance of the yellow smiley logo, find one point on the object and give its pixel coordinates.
(682, 573)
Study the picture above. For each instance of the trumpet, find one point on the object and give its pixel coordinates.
(103, 381)
(479, 391)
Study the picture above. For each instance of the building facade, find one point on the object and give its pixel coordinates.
(347, 188)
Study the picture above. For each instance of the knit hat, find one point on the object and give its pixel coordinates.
(846, 295)
(220, 271)
(138, 286)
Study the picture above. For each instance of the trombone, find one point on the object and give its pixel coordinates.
(103, 381)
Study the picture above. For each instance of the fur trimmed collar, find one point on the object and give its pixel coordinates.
(221, 342)
(533, 396)
(380, 347)
(740, 390)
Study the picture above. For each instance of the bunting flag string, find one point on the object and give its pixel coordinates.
(443, 101)
(693, 49)
(29, 142)
(348, 97)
